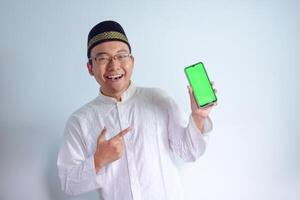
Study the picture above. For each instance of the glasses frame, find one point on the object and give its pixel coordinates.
(110, 58)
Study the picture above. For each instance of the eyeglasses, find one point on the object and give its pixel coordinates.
(104, 59)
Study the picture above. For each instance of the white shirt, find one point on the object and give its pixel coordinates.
(146, 171)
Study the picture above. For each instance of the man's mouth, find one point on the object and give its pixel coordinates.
(114, 77)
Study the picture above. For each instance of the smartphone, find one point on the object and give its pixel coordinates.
(203, 91)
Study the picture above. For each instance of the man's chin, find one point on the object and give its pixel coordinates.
(118, 88)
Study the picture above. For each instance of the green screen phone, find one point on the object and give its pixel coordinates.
(203, 91)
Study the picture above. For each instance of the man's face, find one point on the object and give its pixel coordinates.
(114, 75)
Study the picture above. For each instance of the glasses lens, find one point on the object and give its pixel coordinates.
(122, 57)
(102, 59)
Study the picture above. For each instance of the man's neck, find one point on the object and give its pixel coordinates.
(115, 95)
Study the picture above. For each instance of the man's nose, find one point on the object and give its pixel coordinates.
(113, 63)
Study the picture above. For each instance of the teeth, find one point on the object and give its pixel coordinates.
(115, 77)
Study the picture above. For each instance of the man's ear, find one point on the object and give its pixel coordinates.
(132, 58)
(90, 68)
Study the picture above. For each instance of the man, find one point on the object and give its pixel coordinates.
(122, 143)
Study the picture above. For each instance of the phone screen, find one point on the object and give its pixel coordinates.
(203, 91)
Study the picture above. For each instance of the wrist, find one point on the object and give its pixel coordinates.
(98, 163)
(199, 121)
(198, 116)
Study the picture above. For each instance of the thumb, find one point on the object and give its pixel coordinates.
(190, 90)
(101, 137)
(191, 93)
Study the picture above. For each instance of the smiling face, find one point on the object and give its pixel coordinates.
(113, 76)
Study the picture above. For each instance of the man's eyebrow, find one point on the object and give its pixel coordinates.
(122, 50)
(101, 53)
(105, 53)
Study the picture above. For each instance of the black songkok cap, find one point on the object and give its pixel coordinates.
(106, 31)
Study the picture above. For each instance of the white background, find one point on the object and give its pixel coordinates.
(251, 51)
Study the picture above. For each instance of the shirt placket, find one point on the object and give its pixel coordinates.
(129, 154)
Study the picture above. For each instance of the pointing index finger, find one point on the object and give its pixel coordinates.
(122, 133)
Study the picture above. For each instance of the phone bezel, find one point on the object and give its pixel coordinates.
(197, 101)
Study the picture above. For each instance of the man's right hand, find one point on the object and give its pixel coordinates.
(109, 150)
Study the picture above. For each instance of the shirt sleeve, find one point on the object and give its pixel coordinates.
(75, 167)
(185, 138)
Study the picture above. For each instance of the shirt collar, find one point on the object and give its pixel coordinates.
(124, 97)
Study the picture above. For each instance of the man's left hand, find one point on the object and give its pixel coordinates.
(199, 114)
